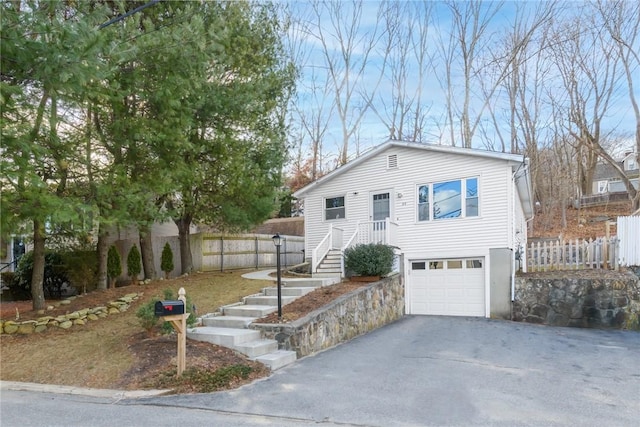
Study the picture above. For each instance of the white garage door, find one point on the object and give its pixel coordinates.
(452, 287)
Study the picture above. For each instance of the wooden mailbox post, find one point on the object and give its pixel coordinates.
(179, 323)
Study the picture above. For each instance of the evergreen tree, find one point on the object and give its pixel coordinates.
(133, 264)
(50, 61)
(166, 264)
(114, 266)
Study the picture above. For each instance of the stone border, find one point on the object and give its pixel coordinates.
(569, 298)
(350, 315)
(66, 321)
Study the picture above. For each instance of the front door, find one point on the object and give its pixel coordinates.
(380, 211)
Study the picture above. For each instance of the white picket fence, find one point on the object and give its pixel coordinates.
(629, 235)
(573, 254)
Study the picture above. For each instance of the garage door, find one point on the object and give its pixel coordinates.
(452, 287)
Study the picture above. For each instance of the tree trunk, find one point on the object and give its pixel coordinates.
(37, 278)
(186, 260)
(146, 250)
(102, 249)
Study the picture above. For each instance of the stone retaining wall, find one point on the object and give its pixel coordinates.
(592, 299)
(352, 314)
(66, 321)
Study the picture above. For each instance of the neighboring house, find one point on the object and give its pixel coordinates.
(11, 250)
(457, 217)
(606, 179)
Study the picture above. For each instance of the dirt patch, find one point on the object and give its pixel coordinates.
(155, 365)
(311, 302)
(587, 222)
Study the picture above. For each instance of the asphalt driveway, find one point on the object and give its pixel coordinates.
(419, 371)
(425, 370)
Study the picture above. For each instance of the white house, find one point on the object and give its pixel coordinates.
(457, 216)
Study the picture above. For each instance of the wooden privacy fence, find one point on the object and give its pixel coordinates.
(221, 252)
(573, 254)
(224, 252)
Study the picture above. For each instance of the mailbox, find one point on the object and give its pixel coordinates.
(169, 308)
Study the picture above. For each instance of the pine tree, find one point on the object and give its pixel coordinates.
(114, 266)
(166, 264)
(133, 264)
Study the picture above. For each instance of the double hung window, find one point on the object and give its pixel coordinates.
(334, 208)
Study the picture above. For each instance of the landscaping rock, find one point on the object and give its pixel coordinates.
(66, 324)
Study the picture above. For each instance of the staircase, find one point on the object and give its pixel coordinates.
(229, 326)
(330, 267)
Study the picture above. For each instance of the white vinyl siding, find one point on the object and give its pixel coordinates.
(471, 236)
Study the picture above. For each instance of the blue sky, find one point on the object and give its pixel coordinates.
(372, 132)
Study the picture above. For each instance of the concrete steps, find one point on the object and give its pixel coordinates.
(229, 326)
(267, 299)
(330, 267)
(249, 310)
(288, 291)
(238, 322)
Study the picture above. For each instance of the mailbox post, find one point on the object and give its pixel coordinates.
(174, 312)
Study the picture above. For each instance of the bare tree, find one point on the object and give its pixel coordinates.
(589, 73)
(468, 37)
(348, 51)
(403, 111)
(622, 20)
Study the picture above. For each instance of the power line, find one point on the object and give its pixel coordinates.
(131, 12)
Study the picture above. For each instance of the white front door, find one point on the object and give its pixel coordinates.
(380, 211)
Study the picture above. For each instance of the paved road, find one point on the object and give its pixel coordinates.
(418, 371)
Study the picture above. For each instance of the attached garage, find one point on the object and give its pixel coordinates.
(451, 287)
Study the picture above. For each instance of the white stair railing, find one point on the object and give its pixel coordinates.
(333, 240)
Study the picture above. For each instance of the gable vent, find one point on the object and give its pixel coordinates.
(392, 161)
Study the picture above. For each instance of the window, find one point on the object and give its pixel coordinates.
(423, 203)
(472, 197)
(603, 186)
(448, 201)
(474, 263)
(454, 264)
(436, 265)
(334, 208)
(419, 265)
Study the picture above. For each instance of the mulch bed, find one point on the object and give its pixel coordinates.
(312, 301)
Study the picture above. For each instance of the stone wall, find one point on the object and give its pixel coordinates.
(66, 321)
(353, 314)
(583, 298)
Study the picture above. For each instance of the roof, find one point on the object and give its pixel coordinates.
(517, 161)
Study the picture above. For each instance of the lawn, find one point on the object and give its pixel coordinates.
(116, 352)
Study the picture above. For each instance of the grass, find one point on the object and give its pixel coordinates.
(97, 354)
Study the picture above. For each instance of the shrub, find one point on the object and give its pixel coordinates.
(134, 266)
(166, 263)
(146, 315)
(114, 265)
(81, 268)
(369, 260)
(55, 276)
(7, 278)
